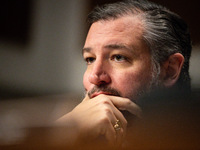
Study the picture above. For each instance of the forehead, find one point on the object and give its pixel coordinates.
(126, 30)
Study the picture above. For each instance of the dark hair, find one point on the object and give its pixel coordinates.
(165, 32)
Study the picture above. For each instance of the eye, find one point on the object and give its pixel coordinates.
(119, 58)
(89, 60)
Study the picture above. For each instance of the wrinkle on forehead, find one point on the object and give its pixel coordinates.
(131, 26)
(126, 30)
(125, 24)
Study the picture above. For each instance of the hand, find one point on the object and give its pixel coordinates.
(94, 118)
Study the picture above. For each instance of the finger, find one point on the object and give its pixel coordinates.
(126, 104)
(110, 134)
(114, 137)
(119, 138)
(120, 132)
(118, 115)
(115, 115)
(122, 120)
(106, 126)
(86, 97)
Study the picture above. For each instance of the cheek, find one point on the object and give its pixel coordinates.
(126, 82)
(130, 83)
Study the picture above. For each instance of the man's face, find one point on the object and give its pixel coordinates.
(118, 60)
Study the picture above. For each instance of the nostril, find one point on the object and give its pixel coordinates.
(102, 82)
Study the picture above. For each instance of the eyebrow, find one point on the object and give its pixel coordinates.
(116, 46)
(86, 49)
(110, 46)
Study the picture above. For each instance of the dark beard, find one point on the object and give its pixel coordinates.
(129, 117)
(104, 88)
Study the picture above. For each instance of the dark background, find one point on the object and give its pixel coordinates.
(15, 17)
(15, 20)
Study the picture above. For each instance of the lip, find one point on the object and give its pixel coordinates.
(98, 93)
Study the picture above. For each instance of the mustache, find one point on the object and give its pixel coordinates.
(111, 91)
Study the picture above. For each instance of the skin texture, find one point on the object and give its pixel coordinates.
(119, 67)
(117, 57)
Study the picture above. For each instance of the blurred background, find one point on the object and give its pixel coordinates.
(41, 65)
(41, 43)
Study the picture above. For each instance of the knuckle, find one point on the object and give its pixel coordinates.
(104, 120)
(105, 116)
(102, 96)
(104, 100)
(127, 101)
(107, 111)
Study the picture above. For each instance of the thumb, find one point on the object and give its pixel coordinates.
(86, 97)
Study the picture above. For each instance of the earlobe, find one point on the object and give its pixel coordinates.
(172, 69)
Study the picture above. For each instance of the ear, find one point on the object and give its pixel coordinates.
(171, 69)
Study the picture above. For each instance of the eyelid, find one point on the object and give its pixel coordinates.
(87, 55)
(88, 61)
(122, 57)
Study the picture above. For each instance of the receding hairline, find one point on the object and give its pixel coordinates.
(135, 21)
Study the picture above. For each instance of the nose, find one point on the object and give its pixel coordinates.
(100, 73)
